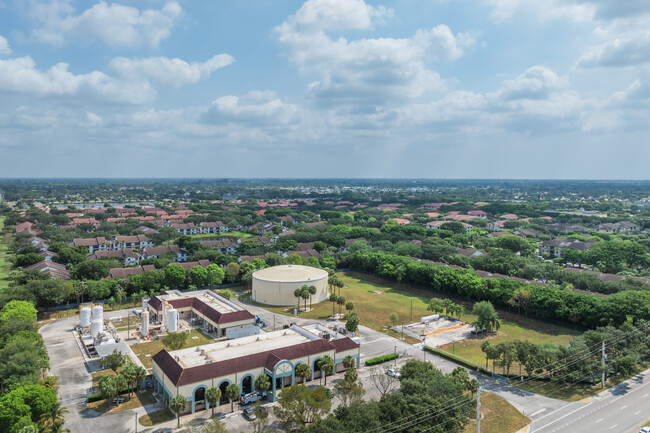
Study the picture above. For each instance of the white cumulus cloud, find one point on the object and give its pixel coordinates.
(175, 72)
(367, 72)
(21, 76)
(111, 23)
(4, 46)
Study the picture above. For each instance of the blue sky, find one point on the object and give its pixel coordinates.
(325, 88)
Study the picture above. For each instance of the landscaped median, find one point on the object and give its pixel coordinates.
(381, 359)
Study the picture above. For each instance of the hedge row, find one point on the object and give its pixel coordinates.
(381, 359)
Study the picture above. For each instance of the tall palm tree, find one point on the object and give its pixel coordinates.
(312, 291)
(341, 302)
(333, 299)
(297, 293)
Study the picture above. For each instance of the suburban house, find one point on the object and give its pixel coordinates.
(137, 241)
(186, 229)
(478, 213)
(437, 224)
(127, 272)
(126, 255)
(495, 226)
(213, 227)
(225, 246)
(53, 269)
(155, 252)
(619, 227)
(556, 247)
(93, 244)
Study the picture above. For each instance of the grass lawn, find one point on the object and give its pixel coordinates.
(234, 233)
(101, 373)
(513, 327)
(498, 416)
(153, 347)
(156, 417)
(568, 393)
(5, 265)
(373, 310)
(136, 400)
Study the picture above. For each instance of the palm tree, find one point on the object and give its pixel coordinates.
(447, 304)
(129, 375)
(349, 362)
(262, 383)
(53, 416)
(232, 392)
(304, 294)
(213, 395)
(312, 291)
(341, 302)
(333, 299)
(140, 374)
(303, 370)
(326, 365)
(298, 293)
(177, 404)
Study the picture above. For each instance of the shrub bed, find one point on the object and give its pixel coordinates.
(381, 359)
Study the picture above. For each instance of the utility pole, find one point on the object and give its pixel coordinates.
(478, 410)
(602, 361)
(402, 330)
(411, 310)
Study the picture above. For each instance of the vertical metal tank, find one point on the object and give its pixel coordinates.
(144, 329)
(172, 320)
(84, 317)
(96, 326)
(98, 313)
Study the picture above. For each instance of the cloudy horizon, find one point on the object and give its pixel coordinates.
(444, 89)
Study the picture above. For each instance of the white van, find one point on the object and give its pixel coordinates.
(250, 398)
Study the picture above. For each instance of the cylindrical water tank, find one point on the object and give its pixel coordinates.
(98, 313)
(84, 317)
(431, 318)
(96, 326)
(144, 330)
(172, 320)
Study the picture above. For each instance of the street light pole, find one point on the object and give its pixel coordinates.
(411, 310)
(136, 423)
(274, 322)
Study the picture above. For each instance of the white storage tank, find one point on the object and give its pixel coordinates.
(96, 327)
(431, 318)
(144, 329)
(84, 317)
(98, 313)
(172, 320)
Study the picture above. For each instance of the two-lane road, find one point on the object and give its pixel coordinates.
(622, 409)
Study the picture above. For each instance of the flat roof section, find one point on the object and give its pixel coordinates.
(238, 347)
(290, 273)
(209, 299)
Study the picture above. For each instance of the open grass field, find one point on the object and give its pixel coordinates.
(564, 392)
(195, 338)
(137, 399)
(156, 417)
(5, 266)
(373, 310)
(498, 416)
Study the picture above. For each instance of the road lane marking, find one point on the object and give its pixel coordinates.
(623, 407)
(570, 413)
(636, 413)
(538, 412)
(613, 426)
(599, 420)
(646, 395)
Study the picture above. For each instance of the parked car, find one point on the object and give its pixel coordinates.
(249, 413)
(249, 398)
(644, 430)
(393, 372)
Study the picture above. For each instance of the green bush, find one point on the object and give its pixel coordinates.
(97, 397)
(381, 359)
